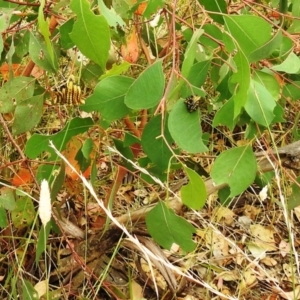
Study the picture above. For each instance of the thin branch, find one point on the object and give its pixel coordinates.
(22, 3)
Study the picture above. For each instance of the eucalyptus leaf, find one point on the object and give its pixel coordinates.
(260, 104)
(38, 143)
(108, 98)
(90, 33)
(40, 54)
(14, 91)
(185, 128)
(167, 228)
(236, 167)
(25, 116)
(291, 65)
(218, 6)
(44, 29)
(112, 18)
(147, 90)
(194, 193)
(154, 140)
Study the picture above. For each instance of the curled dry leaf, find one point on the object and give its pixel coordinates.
(224, 214)
(72, 148)
(269, 261)
(297, 212)
(218, 244)
(289, 271)
(263, 237)
(249, 279)
(284, 248)
(41, 287)
(137, 291)
(229, 275)
(251, 211)
(295, 294)
(257, 251)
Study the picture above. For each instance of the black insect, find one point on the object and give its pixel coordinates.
(192, 103)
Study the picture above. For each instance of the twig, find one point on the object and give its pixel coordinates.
(129, 124)
(22, 3)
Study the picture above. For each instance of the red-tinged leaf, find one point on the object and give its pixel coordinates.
(130, 51)
(22, 177)
(74, 146)
(141, 8)
(4, 70)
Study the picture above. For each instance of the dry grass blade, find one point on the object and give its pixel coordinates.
(146, 252)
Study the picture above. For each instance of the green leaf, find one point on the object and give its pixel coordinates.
(108, 98)
(295, 28)
(284, 49)
(194, 193)
(268, 81)
(190, 53)
(5, 16)
(44, 29)
(23, 214)
(267, 49)
(167, 228)
(260, 104)
(40, 55)
(3, 219)
(117, 69)
(110, 15)
(218, 6)
(213, 31)
(185, 128)
(291, 91)
(56, 182)
(225, 115)
(42, 241)
(291, 65)
(152, 7)
(195, 79)
(83, 156)
(65, 30)
(39, 143)
(130, 139)
(294, 199)
(236, 167)
(243, 29)
(154, 145)
(87, 148)
(52, 173)
(7, 198)
(242, 79)
(147, 90)
(28, 291)
(90, 33)
(122, 8)
(126, 152)
(22, 44)
(14, 91)
(91, 73)
(25, 116)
